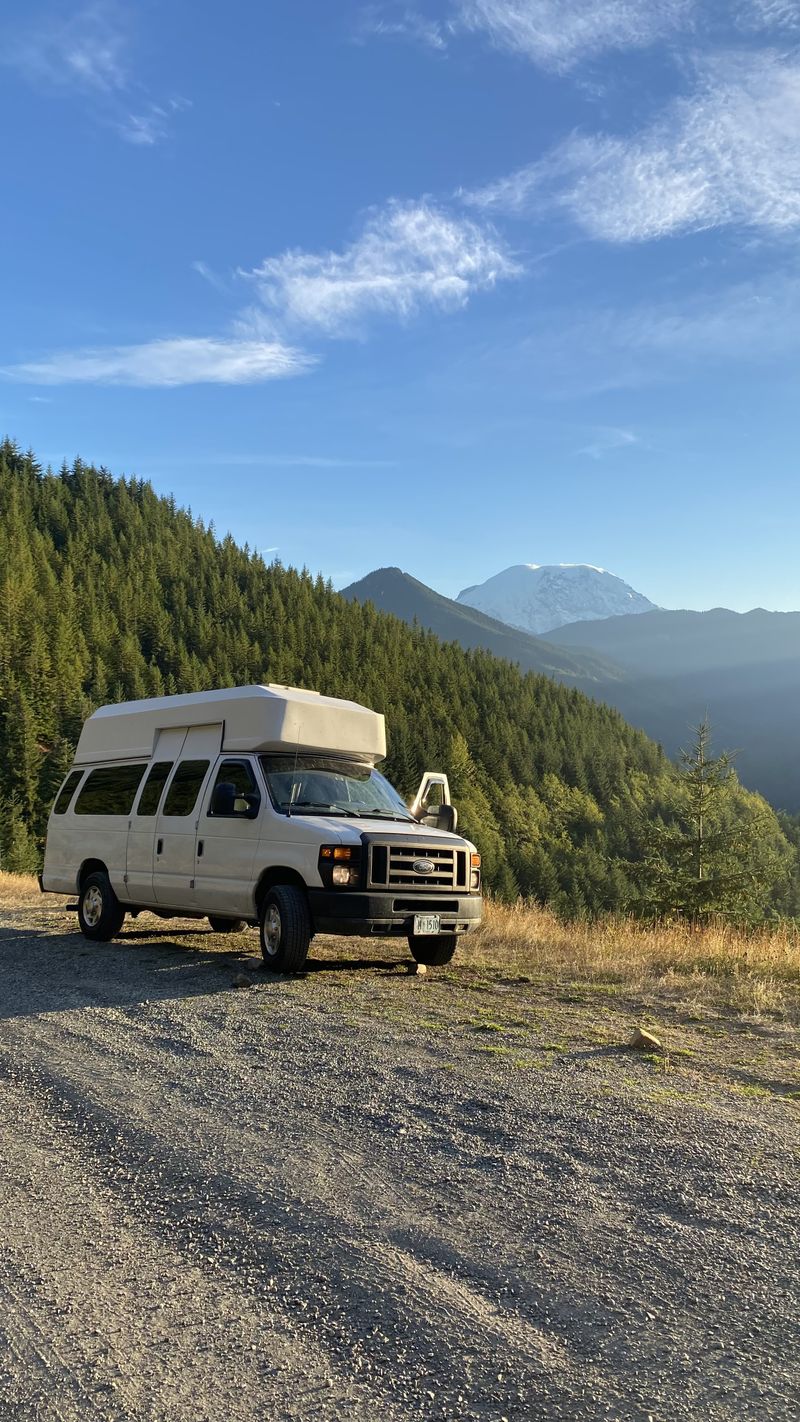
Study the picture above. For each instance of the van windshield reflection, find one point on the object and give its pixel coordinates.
(314, 784)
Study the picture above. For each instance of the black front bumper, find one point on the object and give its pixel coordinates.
(382, 914)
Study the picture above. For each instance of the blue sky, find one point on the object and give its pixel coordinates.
(449, 285)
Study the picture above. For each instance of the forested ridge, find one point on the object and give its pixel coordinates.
(109, 592)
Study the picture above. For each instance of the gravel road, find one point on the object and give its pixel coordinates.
(247, 1206)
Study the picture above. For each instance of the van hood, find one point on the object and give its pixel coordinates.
(349, 831)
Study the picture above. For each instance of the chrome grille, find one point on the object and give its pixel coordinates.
(391, 866)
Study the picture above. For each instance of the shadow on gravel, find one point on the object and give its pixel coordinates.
(43, 971)
(59, 972)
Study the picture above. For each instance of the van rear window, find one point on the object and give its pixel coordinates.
(110, 790)
(185, 788)
(154, 784)
(66, 792)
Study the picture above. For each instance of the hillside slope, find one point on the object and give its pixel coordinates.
(392, 590)
(109, 592)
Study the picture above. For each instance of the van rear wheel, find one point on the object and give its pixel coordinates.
(285, 924)
(226, 925)
(100, 913)
(432, 949)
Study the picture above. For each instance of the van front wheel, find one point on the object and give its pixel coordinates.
(100, 913)
(434, 950)
(285, 923)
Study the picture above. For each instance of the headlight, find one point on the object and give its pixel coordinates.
(475, 871)
(340, 865)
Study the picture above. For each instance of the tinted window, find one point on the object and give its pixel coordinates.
(153, 785)
(110, 791)
(66, 792)
(185, 787)
(239, 774)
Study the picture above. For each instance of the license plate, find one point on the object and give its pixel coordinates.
(426, 923)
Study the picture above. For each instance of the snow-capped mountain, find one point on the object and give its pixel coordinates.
(537, 599)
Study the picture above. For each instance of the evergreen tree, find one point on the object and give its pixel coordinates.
(717, 851)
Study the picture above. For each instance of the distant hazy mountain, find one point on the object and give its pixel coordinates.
(662, 670)
(392, 590)
(743, 669)
(539, 599)
(673, 643)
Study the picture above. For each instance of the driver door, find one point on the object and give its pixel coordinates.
(227, 839)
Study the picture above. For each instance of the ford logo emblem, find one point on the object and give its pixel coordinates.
(423, 866)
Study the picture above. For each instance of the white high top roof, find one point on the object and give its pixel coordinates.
(251, 718)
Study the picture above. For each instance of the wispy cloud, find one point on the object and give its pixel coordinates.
(281, 461)
(88, 53)
(209, 275)
(557, 34)
(182, 361)
(608, 439)
(401, 22)
(753, 324)
(84, 50)
(152, 124)
(560, 34)
(769, 15)
(728, 154)
(409, 256)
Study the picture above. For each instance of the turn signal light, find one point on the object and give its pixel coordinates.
(339, 864)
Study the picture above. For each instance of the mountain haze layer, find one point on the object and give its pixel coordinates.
(740, 668)
(539, 599)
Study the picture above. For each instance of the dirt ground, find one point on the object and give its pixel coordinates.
(365, 1194)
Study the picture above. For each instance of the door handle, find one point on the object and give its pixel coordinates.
(159, 846)
(199, 848)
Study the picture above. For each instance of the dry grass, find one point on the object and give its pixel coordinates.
(755, 973)
(718, 966)
(19, 890)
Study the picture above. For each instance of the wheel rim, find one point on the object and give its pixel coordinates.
(272, 930)
(92, 906)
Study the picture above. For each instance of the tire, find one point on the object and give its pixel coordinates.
(226, 925)
(100, 913)
(432, 949)
(285, 927)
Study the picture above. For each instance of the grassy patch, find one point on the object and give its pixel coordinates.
(756, 974)
(19, 890)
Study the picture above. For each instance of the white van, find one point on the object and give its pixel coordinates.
(258, 805)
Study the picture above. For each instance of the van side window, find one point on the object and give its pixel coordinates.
(110, 790)
(153, 785)
(66, 792)
(185, 788)
(239, 774)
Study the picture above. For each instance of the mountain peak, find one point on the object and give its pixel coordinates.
(537, 597)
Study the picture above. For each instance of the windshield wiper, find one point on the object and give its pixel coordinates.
(321, 805)
(387, 815)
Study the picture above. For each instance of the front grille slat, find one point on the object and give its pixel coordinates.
(392, 867)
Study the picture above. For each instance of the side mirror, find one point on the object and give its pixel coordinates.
(248, 805)
(442, 817)
(223, 801)
(226, 800)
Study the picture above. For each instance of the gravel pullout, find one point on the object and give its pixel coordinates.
(249, 1205)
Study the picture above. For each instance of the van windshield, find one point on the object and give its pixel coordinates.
(314, 784)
